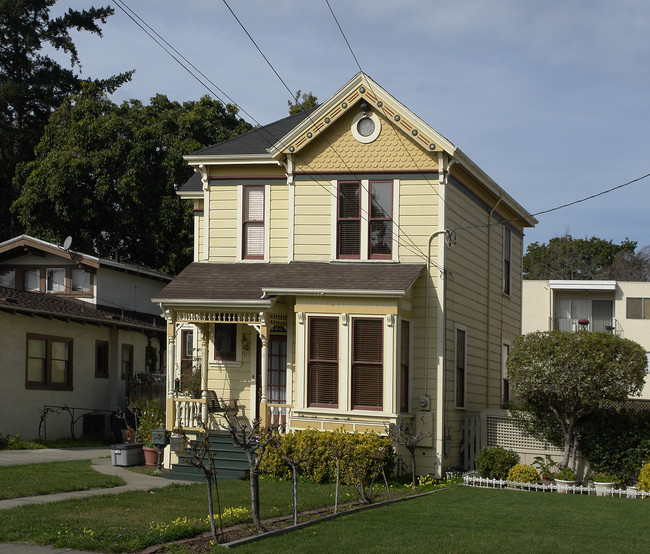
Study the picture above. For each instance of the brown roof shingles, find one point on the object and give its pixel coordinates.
(50, 305)
(248, 281)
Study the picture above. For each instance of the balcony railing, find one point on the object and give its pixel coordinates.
(598, 324)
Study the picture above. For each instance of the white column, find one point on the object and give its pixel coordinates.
(203, 345)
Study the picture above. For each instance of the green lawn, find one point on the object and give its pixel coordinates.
(38, 479)
(134, 520)
(459, 519)
(464, 519)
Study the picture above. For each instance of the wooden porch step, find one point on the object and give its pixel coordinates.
(230, 461)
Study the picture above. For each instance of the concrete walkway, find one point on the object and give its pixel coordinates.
(101, 461)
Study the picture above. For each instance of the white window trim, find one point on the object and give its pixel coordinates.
(237, 362)
(458, 327)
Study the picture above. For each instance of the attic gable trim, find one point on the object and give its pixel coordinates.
(195, 160)
(361, 86)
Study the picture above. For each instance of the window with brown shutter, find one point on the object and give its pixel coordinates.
(367, 364)
(461, 357)
(349, 220)
(404, 369)
(225, 341)
(323, 362)
(253, 222)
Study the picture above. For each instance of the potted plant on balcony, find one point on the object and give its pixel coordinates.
(149, 416)
(604, 482)
(564, 479)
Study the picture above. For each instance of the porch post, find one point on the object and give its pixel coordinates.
(171, 353)
(264, 415)
(204, 331)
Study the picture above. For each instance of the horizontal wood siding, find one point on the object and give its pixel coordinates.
(312, 228)
(223, 224)
(279, 224)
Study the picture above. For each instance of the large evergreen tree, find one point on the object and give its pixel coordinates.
(107, 175)
(32, 84)
(589, 258)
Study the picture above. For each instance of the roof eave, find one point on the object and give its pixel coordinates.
(232, 159)
(261, 304)
(332, 292)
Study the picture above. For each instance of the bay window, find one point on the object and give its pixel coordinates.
(323, 362)
(367, 363)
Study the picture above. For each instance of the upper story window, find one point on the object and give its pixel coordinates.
(381, 219)
(253, 222)
(364, 211)
(349, 220)
(55, 280)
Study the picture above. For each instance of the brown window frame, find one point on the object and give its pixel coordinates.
(125, 371)
(229, 355)
(47, 383)
(460, 364)
(248, 223)
(343, 220)
(21, 271)
(642, 311)
(323, 362)
(102, 358)
(388, 221)
(367, 363)
(405, 341)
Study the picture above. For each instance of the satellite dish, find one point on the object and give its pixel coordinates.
(67, 243)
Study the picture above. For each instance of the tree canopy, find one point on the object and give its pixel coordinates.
(558, 378)
(32, 84)
(107, 175)
(589, 258)
(300, 103)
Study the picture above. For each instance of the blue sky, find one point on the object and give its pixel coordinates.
(551, 99)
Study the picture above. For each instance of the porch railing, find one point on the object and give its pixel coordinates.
(599, 324)
(187, 412)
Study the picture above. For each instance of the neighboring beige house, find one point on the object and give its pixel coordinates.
(74, 329)
(351, 265)
(619, 307)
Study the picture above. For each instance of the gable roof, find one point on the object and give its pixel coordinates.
(54, 307)
(23, 244)
(244, 284)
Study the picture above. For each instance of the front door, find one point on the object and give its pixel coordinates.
(276, 392)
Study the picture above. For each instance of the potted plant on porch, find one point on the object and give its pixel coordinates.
(149, 416)
(564, 479)
(604, 482)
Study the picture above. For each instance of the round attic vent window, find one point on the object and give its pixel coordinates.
(365, 127)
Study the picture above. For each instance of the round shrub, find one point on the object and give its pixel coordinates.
(495, 463)
(644, 478)
(522, 473)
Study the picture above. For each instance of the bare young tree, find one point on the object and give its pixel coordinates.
(202, 458)
(402, 434)
(253, 440)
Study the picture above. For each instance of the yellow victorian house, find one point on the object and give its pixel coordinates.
(351, 266)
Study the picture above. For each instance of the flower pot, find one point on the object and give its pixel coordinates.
(604, 489)
(150, 456)
(564, 487)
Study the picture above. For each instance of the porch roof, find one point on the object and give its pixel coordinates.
(230, 283)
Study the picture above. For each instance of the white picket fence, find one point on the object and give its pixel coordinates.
(473, 480)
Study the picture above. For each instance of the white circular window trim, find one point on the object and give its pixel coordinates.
(355, 127)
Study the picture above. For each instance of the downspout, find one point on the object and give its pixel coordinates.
(489, 304)
(441, 334)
